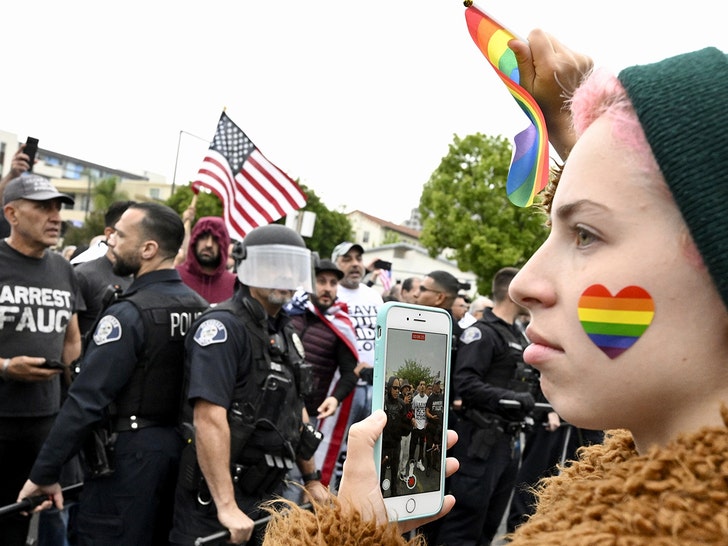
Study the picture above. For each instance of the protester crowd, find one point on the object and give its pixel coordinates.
(196, 385)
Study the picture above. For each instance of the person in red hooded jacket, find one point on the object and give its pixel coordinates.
(205, 266)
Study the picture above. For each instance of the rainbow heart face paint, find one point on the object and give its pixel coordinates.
(615, 323)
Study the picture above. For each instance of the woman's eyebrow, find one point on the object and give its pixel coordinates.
(565, 212)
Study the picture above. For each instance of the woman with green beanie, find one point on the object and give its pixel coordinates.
(628, 299)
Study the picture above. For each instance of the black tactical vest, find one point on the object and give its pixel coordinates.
(268, 397)
(508, 360)
(154, 391)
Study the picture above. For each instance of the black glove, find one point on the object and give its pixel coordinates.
(526, 400)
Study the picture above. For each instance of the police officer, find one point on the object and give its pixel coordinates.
(489, 369)
(130, 381)
(246, 382)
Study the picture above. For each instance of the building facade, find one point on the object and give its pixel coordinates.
(77, 177)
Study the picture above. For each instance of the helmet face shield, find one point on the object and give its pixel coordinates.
(281, 267)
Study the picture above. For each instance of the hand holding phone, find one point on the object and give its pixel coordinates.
(53, 365)
(412, 342)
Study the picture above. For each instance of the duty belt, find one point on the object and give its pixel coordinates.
(125, 424)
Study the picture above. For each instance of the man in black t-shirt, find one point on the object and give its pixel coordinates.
(38, 323)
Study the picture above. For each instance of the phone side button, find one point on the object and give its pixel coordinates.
(410, 506)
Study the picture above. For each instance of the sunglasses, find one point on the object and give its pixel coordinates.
(425, 289)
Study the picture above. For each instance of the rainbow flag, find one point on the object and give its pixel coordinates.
(615, 323)
(529, 171)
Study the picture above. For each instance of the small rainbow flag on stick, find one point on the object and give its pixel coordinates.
(529, 172)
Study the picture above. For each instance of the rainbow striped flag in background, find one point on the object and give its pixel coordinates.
(529, 171)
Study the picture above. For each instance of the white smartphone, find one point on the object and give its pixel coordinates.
(412, 347)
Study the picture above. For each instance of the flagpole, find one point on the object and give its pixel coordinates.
(176, 159)
(470, 3)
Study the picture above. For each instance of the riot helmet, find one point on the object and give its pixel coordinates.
(274, 256)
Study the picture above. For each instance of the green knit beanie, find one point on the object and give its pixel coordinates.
(682, 105)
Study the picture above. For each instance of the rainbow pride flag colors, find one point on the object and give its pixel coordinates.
(529, 171)
(615, 323)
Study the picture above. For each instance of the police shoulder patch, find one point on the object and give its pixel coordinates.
(471, 334)
(209, 332)
(108, 330)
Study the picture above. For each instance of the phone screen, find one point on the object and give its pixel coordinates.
(415, 350)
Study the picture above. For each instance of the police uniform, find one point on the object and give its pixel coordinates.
(242, 360)
(131, 379)
(489, 356)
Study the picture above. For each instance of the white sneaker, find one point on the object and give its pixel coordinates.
(420, 466)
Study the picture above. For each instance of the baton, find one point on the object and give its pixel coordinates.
(28, 503)
(517, 404)
(201, 541)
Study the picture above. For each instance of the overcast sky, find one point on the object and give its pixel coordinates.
(359, 100)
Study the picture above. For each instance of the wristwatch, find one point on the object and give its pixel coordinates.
(314, 476)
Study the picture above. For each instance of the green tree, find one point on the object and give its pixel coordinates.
(414, 372)
(465, 210)
(103, 193)
(331, 226)
(330, 229)
(207, 203)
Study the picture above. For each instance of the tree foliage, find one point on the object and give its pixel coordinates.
(465, 210)
(103, 193)
(331, 226)
(207, 203)
(414, 372)
(330, 229)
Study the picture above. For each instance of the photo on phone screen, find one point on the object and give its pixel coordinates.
(411, 384)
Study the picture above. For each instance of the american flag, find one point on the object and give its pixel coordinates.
(385, 277)
(253, 191)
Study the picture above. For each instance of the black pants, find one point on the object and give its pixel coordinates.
(20, 441)
(542, 453)
(482, 489)
(133, 506)
(193, 519)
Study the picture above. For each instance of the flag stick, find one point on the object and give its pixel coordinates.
(470, 3)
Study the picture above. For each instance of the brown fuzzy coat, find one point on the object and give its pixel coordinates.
(671, 496)
(329, 526)
(676, 495)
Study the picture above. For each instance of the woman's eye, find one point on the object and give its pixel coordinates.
(584, 237)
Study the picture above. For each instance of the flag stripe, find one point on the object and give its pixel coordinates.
(624, 304)
(615, 316)
(612, 329)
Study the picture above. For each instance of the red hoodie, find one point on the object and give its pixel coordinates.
(218, 286)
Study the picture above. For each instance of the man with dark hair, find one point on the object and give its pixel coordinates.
(438, 289)
(96, 277)
(38, 323)
(489, 369)
(128, 392)
(322, 322)
(410, 289)
(205, 266)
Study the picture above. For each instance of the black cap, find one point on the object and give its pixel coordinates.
(328, 265)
